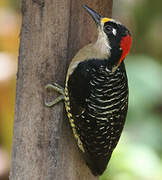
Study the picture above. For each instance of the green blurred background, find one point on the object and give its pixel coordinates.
(138, 155)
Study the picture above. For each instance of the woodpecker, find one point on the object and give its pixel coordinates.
(96, 92)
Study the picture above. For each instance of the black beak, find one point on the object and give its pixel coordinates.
(96, 17)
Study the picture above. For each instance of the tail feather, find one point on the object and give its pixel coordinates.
(97, 165)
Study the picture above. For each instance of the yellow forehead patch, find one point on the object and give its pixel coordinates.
(103, 20)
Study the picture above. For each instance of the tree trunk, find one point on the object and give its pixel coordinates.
(52, 32)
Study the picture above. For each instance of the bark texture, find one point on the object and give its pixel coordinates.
(52, 32)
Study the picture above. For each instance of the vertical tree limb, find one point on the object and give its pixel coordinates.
(52, 32)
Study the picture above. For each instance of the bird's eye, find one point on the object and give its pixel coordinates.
(108, 29)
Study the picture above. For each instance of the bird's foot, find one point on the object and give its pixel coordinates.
(58, 89)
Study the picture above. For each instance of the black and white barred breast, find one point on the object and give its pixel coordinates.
(96, 101)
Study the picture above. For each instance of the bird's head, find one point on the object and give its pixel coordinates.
(114, 39)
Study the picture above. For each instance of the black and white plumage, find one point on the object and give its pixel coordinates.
(96, 92)
(97, 105)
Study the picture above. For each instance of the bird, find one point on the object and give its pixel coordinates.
(96, 92)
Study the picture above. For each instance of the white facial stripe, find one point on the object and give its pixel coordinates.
(114, 32)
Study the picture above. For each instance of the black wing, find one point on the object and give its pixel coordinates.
(98, 104)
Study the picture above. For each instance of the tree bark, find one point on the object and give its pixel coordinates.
(52, 32)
